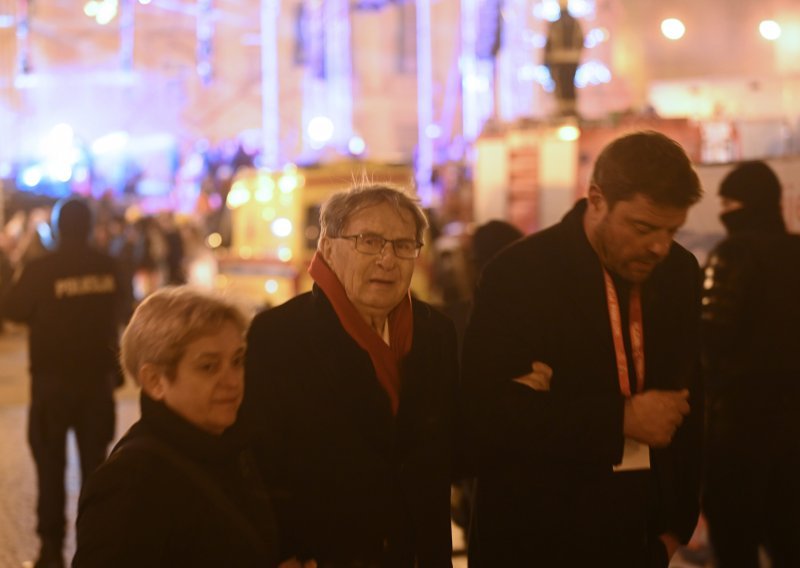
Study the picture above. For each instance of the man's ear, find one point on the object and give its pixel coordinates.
(324, 247)
(151, 377)
(596, 197)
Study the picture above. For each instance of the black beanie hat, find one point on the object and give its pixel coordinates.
(489, 238)
(754, 184)
(73, 218)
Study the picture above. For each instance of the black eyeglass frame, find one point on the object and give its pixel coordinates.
(359, 239)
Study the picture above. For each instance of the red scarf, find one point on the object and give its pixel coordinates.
(385, 358)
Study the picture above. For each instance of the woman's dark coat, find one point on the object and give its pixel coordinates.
(141, 508)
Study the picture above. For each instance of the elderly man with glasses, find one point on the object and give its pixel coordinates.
(350, 395)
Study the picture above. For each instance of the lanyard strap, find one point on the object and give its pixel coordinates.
(637, 335)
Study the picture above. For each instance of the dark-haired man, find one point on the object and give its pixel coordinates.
(581, 374)
(69, 299)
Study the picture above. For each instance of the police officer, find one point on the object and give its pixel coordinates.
(69, 299)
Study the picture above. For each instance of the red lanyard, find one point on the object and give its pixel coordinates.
(637, 335)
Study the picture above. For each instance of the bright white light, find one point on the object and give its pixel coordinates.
(581, 8)
(80, 174)
(595, 37)
(320, 129)
(285, 254)
(281, 227)
(60, 171)
(32, 176)
(91, 8)
(238, 195)
(58, 141)
(356, 146)
(568, 133)
(673, 28)
(539, 74)
(266, 186)
(214, 240)
(110, 143)
(271, 286)
(433, 131)
(287, 183)
(103, 11)
(770, 29)
(592, 73)
(547, 10)
(477, 84)
(144, 2)
(202, 272)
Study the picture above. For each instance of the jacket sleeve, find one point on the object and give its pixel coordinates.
(118, 523)
(679, 466)
(725, 311)
(506, 334)
(20, 301)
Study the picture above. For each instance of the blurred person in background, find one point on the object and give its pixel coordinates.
(6, 272)
(562, 56)
(351, 393)
(34, 239)
(488, 239)
(751, 333)
(579, 360)
(180, 489)
(70, 301)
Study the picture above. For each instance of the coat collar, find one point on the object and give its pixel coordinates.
(585, 275)
(342, 359)
(584, 280)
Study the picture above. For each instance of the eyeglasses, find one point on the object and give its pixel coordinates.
(370, 243)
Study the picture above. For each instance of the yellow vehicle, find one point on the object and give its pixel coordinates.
(275, 224)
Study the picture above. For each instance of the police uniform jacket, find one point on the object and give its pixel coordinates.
(69, 299)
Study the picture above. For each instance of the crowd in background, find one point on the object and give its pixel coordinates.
(151, 250)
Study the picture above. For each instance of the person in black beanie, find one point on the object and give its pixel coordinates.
(751, 311)
(70, 301)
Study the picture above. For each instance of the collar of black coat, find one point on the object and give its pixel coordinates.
(160, 421)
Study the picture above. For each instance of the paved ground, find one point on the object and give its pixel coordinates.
(18, 541)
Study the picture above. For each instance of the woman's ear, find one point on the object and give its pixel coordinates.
(151, 377)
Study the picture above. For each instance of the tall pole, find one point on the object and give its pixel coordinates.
(424, 103)
(339, 73)
(470, 113)
(126, 34)
(205, 41)
(24, 65)
(270, 118)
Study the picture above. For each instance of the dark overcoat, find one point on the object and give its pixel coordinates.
(546, 492)
(171, 494)
(352, 484)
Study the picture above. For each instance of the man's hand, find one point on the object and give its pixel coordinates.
(538, 379)
(653, 416)
(671, 543)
